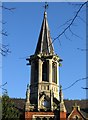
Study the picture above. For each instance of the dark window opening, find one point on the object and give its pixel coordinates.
(44, 118)
(36, 71)
(51, 118)
(44, 71)
(38, 118)
(54, 72)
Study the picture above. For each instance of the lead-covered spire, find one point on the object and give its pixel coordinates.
(44, 45)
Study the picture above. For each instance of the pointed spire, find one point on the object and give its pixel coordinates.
(62, 105)
(44, 45)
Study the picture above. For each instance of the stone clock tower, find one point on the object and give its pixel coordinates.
(43, 92)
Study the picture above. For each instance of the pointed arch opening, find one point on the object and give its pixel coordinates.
(36, 71)
(44, 71)
(54, 72)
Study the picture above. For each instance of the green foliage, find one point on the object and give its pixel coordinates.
(8, 108)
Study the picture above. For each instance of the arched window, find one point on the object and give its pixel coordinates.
(76, 117)
(44, 71)
(36, 71)
(54, 72)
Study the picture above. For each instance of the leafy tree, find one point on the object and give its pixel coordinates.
(8, 108)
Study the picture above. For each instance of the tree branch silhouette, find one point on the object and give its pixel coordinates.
(74, 83)
(81, 49)
(84, 88)
(6, 8)
(3, 84)
(4, 50)
(70, 23)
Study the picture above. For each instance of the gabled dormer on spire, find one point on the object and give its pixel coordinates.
(44, 45)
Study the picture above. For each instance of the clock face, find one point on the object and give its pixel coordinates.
(45, 103)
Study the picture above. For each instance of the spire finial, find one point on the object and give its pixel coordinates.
(46, 6)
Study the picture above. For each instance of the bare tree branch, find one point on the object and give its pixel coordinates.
(2, 22)
(70, 24)
(76, 5)
(66, 23)
(4, 90)
(81, 19)
(67, 37)
(4, 33)
(3, 84)
(4, 50)
(10, 9)
(74, 33)
(84, 88)
(72, 21)
(75, 83)
(82, 49)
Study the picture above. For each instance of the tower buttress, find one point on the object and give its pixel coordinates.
(62, 106)
(27, 99)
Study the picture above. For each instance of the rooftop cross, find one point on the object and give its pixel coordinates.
(46, 6)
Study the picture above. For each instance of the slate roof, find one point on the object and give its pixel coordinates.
(20, 103)
(82, 103)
